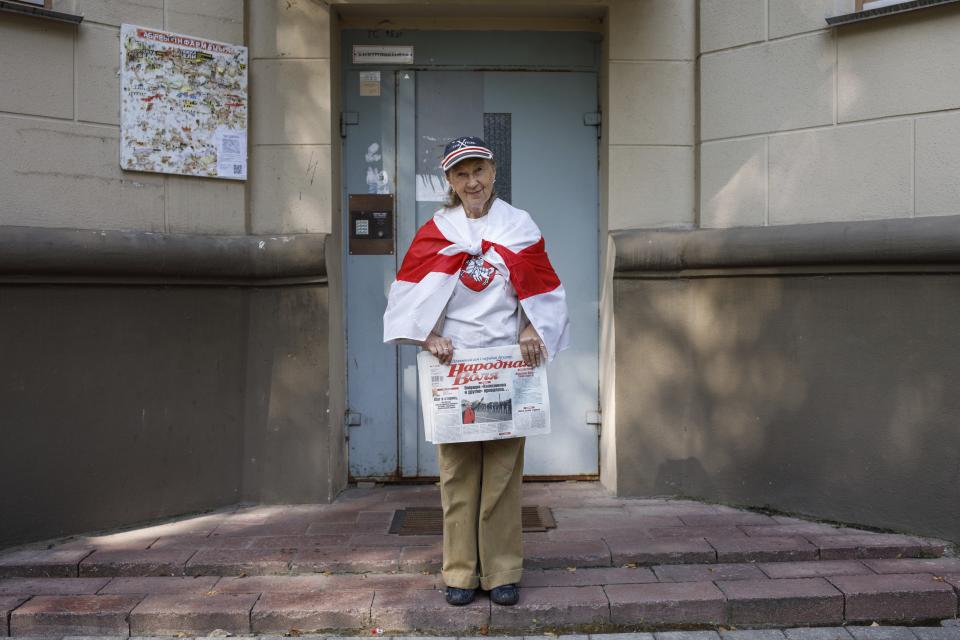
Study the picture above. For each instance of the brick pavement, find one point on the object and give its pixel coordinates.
(611, 564)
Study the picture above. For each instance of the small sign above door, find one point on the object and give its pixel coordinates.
(383, 54)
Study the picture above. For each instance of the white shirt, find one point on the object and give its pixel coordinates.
(483, 310)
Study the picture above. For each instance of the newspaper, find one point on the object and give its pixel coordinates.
(483, 394)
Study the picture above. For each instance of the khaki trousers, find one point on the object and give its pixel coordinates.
(480, 491)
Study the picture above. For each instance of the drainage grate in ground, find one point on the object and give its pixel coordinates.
(428, 521)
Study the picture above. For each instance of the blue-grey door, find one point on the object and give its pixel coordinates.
(547, 165)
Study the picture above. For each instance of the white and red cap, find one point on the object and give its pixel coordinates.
(463, 148)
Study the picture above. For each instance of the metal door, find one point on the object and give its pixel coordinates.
(547, 165)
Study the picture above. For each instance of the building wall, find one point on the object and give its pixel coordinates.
(801, 123)
(177, 359)
(809, 381)
(64, 121)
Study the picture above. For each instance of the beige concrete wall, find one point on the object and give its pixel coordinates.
(291, 169)
(650, 117)
(62, 123)
(803, 123)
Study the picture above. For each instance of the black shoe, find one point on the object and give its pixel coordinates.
(507, 594)
(459, 597)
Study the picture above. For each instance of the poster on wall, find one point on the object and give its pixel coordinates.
(183, 104)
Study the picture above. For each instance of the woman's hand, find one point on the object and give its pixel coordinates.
(532, 348)
(439, 346)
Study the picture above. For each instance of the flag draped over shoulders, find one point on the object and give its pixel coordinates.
(511, 243)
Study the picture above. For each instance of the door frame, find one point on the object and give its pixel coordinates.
(340, 66)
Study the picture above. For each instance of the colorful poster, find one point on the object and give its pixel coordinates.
(183, 104)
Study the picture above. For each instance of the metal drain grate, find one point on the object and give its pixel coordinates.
(428, 521)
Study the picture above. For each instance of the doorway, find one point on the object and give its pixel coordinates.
(533, 98)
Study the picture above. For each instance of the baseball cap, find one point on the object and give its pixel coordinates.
(463, 148)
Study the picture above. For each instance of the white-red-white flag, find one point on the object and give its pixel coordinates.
(511, 243)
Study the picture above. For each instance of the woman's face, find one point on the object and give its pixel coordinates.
(472, 179)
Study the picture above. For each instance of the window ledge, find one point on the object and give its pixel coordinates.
(890, 10)
(39, 12)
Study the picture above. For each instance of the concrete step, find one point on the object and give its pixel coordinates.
(544, 554)
(611, 564)
(741, 596)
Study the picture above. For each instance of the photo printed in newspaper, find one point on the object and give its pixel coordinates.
(483, 394)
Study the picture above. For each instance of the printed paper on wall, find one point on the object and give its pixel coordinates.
(183, 104)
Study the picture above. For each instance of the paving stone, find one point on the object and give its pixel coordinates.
(8, 604)
(553, 555)
(866, 545)
(244, 530)
(950, 622)
(73, 615)
(752, 634)
(283, 612)
(762, 549)
(415, 610)
(900, 598)
(391, 540)
(142, 563)
(298, 542)
(687, 635)
(806, 529)
(195, 542)
(881, 633)
(937, 633)
(160, 585)
(235, 562)
(388, 581)
(619, 636)
(707, 572)
(727, 519)
(817, 569)
(936, 566)
(52, 586)
(696, 532)
(587, 577)
(338, 560)
(42, 563)
(666, 603)
(818, 633)
(812, 601)
(651, 552)
(169, 615)
(673, 509)
(275, 584)
(550, 607)
(417, 559)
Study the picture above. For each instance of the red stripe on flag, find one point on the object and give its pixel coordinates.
(424, 255)
(530, 270)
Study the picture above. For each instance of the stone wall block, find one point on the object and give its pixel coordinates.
(906, 65)
(846, 173)
(729, 23)
(652, 103)
(289, 28)
(290, 188)
(220, 20)
(146, 13)
(290, 101)
(68, 175)
(98, 85)
(37, 59)
(651, 187)
(653, 30)
(771, 87)
(789, 17)
(938, 165)
(733, 183)
(205, 205)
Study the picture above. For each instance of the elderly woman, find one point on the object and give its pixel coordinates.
(477, 275)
